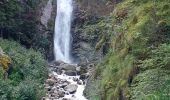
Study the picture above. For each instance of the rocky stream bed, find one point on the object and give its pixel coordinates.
(66, 81)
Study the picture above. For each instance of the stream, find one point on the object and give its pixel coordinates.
(65, 82)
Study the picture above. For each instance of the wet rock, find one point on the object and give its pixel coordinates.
(83, 76)
(61, 93)
(50, 82)
(64, 84)
(66, 67)
(50, 76)
(54, 94)
(67, 93)
(48, 88)
(83, 70)
(58, 63)
(71, 73)
(65, 99)
(78, 69)
(75, 79)
(71, 88)
(79, 82)
(58, 71)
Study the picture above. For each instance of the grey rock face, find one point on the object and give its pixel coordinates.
(47, 13)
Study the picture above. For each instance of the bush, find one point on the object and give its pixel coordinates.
(28, 67)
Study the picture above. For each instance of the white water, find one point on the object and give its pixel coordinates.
(62, 31)
(79, 93)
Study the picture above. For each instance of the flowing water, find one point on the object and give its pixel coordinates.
(62, 31)
(62, 45)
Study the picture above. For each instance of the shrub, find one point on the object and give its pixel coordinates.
(28, 67)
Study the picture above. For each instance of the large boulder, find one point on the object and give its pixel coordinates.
(72, 88)
(66, 67)
(58, 63)
(70, 73)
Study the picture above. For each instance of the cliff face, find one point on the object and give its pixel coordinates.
(46, 27)
(87, 12)
(28, 22)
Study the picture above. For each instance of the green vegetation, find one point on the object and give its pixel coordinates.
(27, 73)
(20, 20)
(137, 63)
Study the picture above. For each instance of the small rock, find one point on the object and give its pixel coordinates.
(78, 68)
(79, 82)
(64, 84)
(73, 96)
(48, 88)
(54, 94)
(61, 93)
(83, 76)
(71, 88)
(67, 93)
(75, 79)
(50, 76)
(65, 99)
(50, 82)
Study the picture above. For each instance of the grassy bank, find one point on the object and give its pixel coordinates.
(136, 65)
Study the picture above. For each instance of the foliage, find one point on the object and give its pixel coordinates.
(28, 67)
(138, 52)
(19, 20)
(4, 62)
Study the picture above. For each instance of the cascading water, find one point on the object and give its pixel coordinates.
(62, 31)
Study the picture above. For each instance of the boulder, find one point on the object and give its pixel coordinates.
(78, 69)
(64, 84)
(68, 67)
(70, 73)
(61, 93)
(79, 82)
(84, 76)
(72, 88)
(58, 63)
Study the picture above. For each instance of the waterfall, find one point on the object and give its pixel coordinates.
(62, 31)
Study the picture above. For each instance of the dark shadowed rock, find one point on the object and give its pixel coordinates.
(84, 76)
(68, 67)
(70, 73)
(58, 63)
(64, 84)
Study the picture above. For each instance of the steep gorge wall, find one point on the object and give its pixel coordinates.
(88, 12)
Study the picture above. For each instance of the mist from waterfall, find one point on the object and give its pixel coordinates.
(62, 36)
